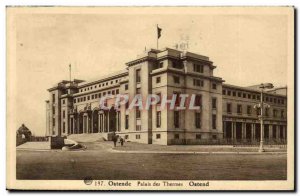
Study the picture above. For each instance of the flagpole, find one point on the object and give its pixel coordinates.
(157, 36)
(70, 73)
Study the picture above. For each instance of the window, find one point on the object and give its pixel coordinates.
(274, 113)
(159, 95)
(157, 79)
(214, 121)
(138, 91)
(249, 109)
(53, 98)
(176, 136)
(138, 75)
(214, 86)
(229, 93)
(111, 82)
(198, 136)
(176, 65)
(214, 103)
(96, 96)
(126, 86)
(244, 95)
(198, 68)
(138, 112)
(64, 127)
(258, 97)
(177, 101)
(117, 91)
(249, 96)
(176, 79)
(228, 107)
(161, 64)
(233, 93)
(253, 96)
(74, 100)
(84, 98)
(198, 120)
(113, 92)
(53, 110)
(93, 96)
(282, 113)
(224, 92)
(104, 93)
(138, 127)
(176, 119)
(198, 82)
(99, 95)
(137, 137)
(53, 122)
(157, 136)
(267, 111)
(198, 100)
(108, 92)
(126, 137)
(271, 99)
(64, 114)
(88, 97)
(126, 121)
(63, 101)
(158, 119)
(214, 137)
(239, 109)
(239, 94)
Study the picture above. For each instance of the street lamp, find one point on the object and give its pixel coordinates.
(261, 106)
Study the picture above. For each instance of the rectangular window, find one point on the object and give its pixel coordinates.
(249, 96)
(74, 100)
(126, 86)
(198, 120)
(88, 97)
(274, 113)
(198, 82)
(161, 64)
(158, 119)
(214, 121)
(239, 109)
(239, 94)
(176, 119)
(214, 137)
(113, 92)
(159, 95)
(93, 96)
(282, 113)
(53, 110)
(176, 79)
(249, 109)
(53, 122)
(64, 114)
(267, 111)
(137, 137)
(63, 101)
(157, 136)
(198, 136)
(177, 101)
(244, 95)
(233, 93)
(138, 91)
(229, 93)
(53, 98)
(198, 68)
(126, 137)
(117, 91)
(138, 112)
(157, 79)
(224, 92)
(96, 96)
(126, 121)
(228, 107)
(214, 103)
(176, 136)
(138, 75)
(64, 127)
(198, 100)
(214, 86)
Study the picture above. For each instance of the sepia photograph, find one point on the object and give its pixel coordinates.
(150, 98)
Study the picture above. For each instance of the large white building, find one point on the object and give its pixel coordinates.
(226, 112)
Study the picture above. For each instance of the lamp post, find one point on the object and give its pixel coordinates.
(262, 87)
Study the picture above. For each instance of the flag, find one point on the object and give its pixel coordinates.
(158, 32)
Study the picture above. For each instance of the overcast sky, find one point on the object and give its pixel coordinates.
(246, 48)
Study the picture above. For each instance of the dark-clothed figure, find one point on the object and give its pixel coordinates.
(115, 139)
(122, 141)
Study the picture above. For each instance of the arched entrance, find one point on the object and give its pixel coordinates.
(95, 122)
(112, 120)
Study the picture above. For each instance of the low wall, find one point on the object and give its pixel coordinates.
(57, 142)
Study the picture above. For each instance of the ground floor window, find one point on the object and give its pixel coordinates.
(214, 121)
(137, 137)
(176, 119)
(158, 119)
(126, 121)
(197, 120)
(198, 136)
(126, 137)
(157, 136)
(214, 137)
(176, 136)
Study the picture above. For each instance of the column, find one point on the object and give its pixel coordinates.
(117, 121)
(99, 122)
(224, 129)
(108, 122)
(252, 131)
(243, 130)
(277, 131)
(232, 130)
(284, 132)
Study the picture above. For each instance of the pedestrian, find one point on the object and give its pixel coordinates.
(115, 139)
(121, 141)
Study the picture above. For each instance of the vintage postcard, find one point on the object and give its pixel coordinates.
(150, 98)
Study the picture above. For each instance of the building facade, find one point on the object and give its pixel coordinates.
(225, 111)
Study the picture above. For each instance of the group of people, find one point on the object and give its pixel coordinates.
(117, 138)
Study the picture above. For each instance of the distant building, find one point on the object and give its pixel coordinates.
(226, 111)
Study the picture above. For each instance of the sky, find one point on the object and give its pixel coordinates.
(246, 48)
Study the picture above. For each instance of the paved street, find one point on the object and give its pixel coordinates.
(99, 161)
